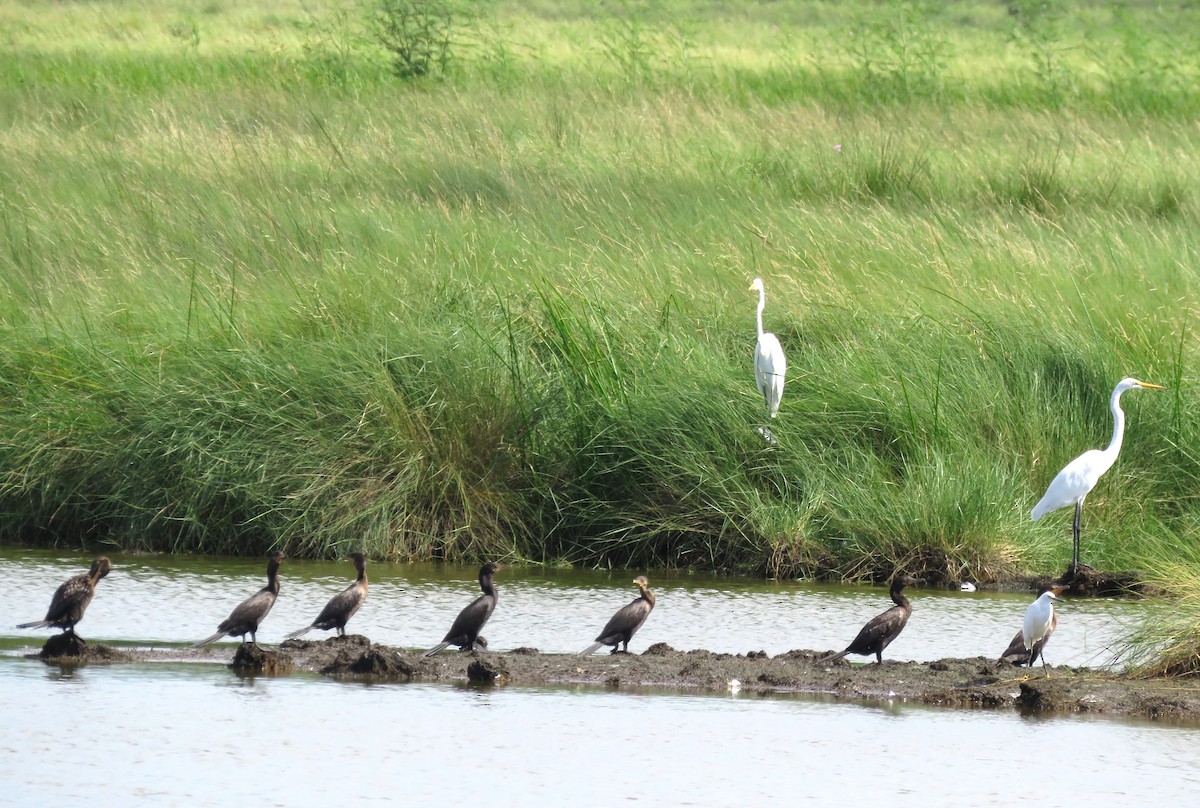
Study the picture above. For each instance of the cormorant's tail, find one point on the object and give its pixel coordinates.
(208, 640)
(436, 648)
(34, 624)
(591, 649)
(299, 633)
(832, 657)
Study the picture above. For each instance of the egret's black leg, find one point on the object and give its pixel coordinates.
(1075, 532)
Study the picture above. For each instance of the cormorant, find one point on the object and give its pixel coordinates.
(882, 629)
(465, 631)
(624, 624)
(72, 598)
(342, 606)
(245, 618)
(1017, 654)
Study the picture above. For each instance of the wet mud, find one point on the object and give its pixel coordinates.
(972, 683)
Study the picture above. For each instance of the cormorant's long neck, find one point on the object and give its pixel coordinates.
(273, 576)
(762, 304)
(898, 597)
(1114, 446)
(648, 596)
(489, 588)
(362, 572)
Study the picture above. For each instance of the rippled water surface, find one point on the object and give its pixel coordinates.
(182, 599)
(198, 735)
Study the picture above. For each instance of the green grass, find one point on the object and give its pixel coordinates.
(255, 290)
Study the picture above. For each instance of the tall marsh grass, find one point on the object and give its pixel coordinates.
(257, 290)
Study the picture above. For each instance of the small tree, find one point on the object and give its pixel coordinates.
(418, 34)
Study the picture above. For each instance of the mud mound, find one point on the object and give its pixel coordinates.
(67, 649)
(487, 670)
(254, 661)
(1089, 582)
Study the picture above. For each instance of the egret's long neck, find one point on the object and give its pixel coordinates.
(1114, 446)
(762, 304)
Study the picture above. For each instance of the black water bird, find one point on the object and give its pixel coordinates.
(246, 618)
(878, 634)
(624, 624)
(465, 631)
(71, 599)
(342, 606)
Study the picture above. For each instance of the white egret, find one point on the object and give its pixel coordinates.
(879, 632)
(770, 365)
(1071, 485)
(1039, 622)
(1017, 653)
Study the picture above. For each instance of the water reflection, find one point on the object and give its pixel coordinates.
(164, 600)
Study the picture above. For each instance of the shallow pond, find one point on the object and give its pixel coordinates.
(196, 734)
(179, 599)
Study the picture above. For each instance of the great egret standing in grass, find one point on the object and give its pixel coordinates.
(1071, 485)
(1039, 622)
(770, 365)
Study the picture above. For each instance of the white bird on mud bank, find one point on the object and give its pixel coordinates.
(770, 365)
(1040, 621)
(1072, 485)
(1017, 653)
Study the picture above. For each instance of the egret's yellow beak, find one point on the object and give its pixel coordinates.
(1149, 386)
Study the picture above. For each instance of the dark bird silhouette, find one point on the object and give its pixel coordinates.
(71, 599)
(342, 606)
(465, 631)
(250, 612)
(1017, 654)
(882, 629)
(624, 624)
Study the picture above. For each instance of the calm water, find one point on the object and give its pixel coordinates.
(164, 600)
(196, 734)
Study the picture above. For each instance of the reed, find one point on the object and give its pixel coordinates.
(256, 289)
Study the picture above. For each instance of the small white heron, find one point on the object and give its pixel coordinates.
(1039, 622)
(1071, 485)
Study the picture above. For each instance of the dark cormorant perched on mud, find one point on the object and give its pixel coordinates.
(342, 606)
(245, 618)
(72, 598)
(628, 619)
(1017, 654)
(465, 631)
(882, 629)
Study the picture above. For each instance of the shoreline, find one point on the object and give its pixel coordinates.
(964, 683)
